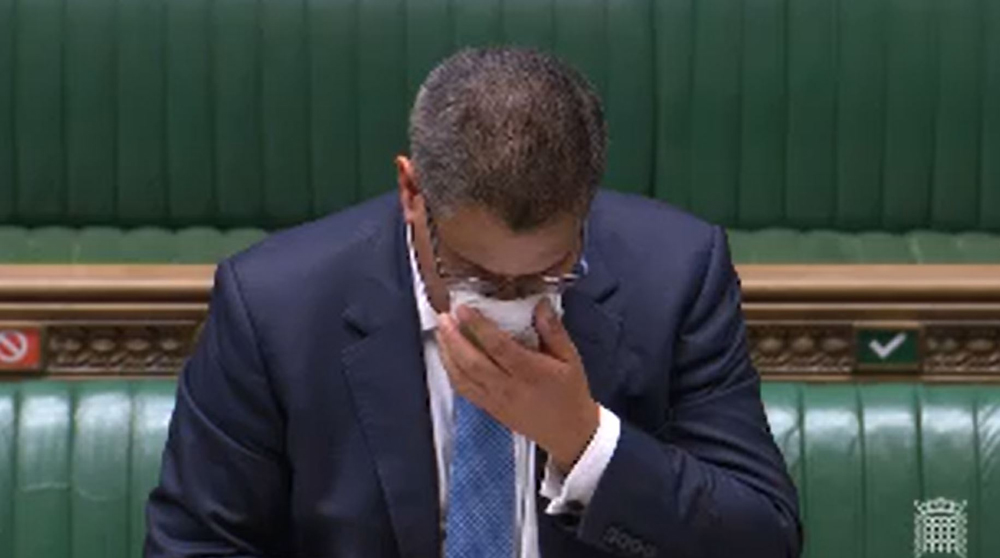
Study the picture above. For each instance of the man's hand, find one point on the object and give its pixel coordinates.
(541, 394)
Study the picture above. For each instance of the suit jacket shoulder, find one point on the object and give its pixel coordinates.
(658, 253)
(298, 283)
(329, 249)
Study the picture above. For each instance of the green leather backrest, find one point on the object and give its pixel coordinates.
(842, 114)
(77, 460)
(864, 455)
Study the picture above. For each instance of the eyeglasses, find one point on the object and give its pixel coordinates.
(510, 287)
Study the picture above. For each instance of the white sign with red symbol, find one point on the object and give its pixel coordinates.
(20, 348)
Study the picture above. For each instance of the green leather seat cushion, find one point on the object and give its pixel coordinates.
(208, 245)
(60, 245)
(77, 460)
(776, 246)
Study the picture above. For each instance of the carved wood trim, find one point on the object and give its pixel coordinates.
(801, 347)
(118, 348)
(963, 349)
(802, 319)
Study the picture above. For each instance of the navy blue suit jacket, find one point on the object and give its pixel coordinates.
(302, 423)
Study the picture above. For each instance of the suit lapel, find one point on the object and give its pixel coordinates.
(594, 326)
(596, 337)
(592, 320)
(385, 371)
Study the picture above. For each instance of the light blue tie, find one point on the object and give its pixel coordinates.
(480, 521)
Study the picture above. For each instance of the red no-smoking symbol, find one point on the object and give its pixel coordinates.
(19, 349)
(14, 346)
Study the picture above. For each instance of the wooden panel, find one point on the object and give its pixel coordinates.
(804, 322)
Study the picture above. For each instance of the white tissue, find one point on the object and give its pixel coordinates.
(515, 317)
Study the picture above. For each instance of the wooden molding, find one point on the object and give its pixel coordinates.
(878, 284)
(761, 283)
(803, 320)
(143, 284)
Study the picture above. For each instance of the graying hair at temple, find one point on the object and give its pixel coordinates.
(513, 130)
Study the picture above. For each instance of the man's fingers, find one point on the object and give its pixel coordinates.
(465, 352)
(469, 387)
(467, 357)
(497, 345)
(554, 337)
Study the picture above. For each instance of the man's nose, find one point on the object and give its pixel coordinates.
(508, 289)
(511, 288)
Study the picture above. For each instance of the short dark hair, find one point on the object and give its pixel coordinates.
(512, 129)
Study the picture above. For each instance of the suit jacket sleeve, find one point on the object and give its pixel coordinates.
(710, 482)
(224, 485)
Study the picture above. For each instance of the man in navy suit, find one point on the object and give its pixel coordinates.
(499, 361)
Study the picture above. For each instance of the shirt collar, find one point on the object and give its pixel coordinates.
(428, 317)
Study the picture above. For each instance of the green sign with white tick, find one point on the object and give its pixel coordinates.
(885, 348)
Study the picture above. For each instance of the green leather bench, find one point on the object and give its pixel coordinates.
(816, 130)
(203, 245)
(875, 464)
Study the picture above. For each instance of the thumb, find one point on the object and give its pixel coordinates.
(554, 337)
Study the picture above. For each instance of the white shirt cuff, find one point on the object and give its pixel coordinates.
(572, 493)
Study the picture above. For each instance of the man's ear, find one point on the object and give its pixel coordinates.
(409, 194)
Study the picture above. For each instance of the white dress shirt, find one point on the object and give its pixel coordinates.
(578, 486)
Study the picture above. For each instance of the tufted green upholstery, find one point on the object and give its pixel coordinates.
(860, 116)
(77, 460)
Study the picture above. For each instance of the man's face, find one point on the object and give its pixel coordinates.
(472, 242)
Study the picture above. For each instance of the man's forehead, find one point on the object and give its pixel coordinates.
(484, 240)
